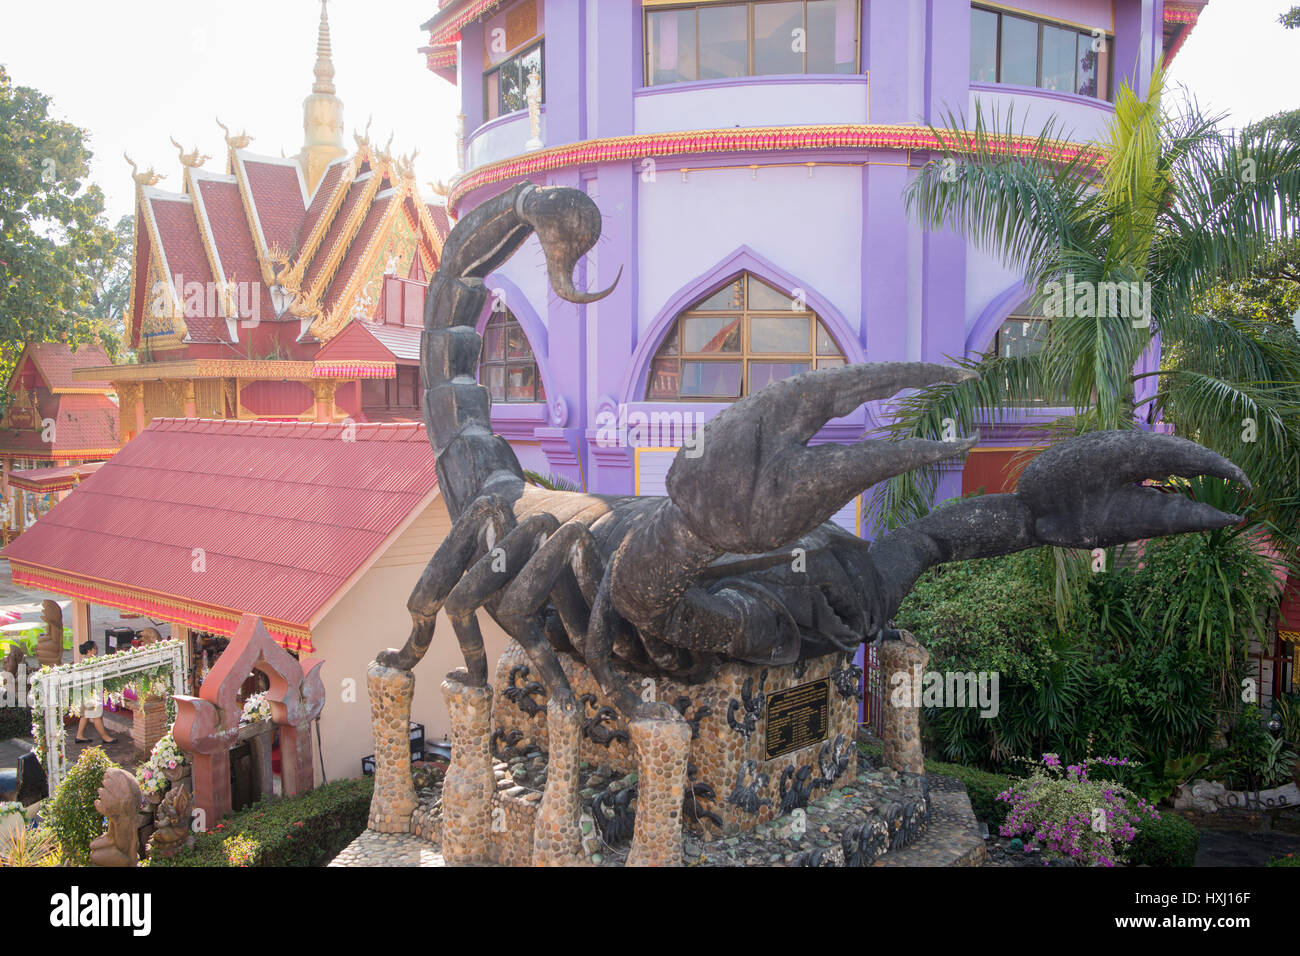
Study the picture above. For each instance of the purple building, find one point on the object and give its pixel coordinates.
(750, 159)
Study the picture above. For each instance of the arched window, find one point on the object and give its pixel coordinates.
(1022, 333)
(733, 342)
(508, 368)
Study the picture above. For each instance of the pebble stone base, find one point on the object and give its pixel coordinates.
(469, 784)
(901, 733)
(726, 754)
(557, 834)
(663, 748)
(394, 801)
(876, 801)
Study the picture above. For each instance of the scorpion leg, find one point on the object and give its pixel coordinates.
(449, 562)
(557, 834)
(661, 738)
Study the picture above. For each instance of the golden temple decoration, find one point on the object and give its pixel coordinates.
(235, 142)
(150, 177)
(191, 160)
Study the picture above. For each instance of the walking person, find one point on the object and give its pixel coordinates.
(91, 649)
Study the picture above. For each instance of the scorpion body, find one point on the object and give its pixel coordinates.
(740, 561)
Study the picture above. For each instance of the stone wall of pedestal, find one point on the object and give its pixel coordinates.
(729, 714)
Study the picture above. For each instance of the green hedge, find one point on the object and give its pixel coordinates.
(1169, 841)
(309, 830)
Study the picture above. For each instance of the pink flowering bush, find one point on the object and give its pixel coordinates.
(1064, 813)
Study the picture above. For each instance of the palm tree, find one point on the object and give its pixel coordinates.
(1165, 207)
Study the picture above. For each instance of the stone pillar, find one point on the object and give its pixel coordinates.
(662, 748)
(469, 784)
(260, 745)
(902, 725)
(148, 725)
(557, 833)
(394, 801)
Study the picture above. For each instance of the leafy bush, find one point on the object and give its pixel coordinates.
(1167, 841)
(308, 830)
(29, 847)
(70, 814)
(15, 722)
(1253, 759)
(1289, 860)
(1131, 661)
(1069, 815)
(988, 615)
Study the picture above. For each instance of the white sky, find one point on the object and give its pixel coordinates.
(134, 72)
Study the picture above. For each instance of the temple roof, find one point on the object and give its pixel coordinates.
(285, 516)
(50, 365)
(322, 256)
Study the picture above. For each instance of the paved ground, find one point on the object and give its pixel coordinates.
(1243, 848)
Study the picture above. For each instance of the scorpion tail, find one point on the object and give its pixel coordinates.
(457, 410)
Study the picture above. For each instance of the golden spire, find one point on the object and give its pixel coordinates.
(324, 54)
(322, 112)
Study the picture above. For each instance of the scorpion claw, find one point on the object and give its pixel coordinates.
(1084, 492)
(777, 488)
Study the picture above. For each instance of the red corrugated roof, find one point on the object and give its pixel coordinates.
(284, 514)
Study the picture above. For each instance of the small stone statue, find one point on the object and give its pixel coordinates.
(173, 824)
(119, 800)
(533, 94)
(13, 660)
(49, 647)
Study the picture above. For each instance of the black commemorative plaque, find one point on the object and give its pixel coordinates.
(797, 717)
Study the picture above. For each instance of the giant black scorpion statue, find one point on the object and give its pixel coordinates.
(675, 586)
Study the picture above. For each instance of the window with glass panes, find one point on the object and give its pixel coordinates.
(733, 342)
(771, 37)
(505, 86)
(1024, 333)
(1025, 51)
(508, 368)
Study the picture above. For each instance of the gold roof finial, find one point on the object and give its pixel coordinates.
(240, 141)
(147, 178)
(324, 54)
(192, 159)
(363, 138)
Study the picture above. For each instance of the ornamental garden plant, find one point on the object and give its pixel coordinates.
(1069, 815)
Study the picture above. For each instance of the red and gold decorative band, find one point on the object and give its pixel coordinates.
(440, 59)
(449, 31)
(761, 139)
(155, 605)
(343, 369)
(1181, 13)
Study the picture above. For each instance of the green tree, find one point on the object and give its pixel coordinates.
(1290, 19)
(1178, 206)
(52, 231)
